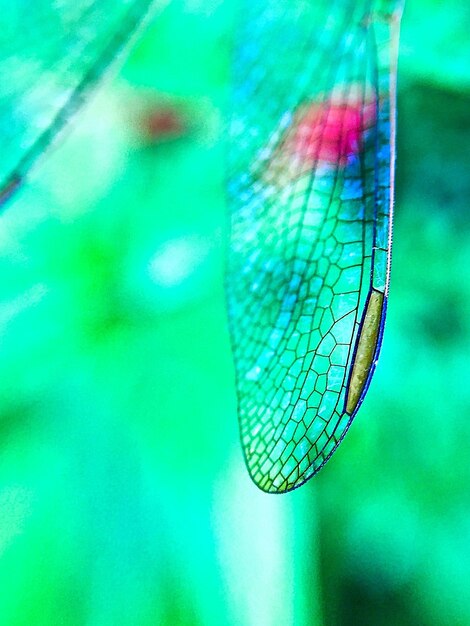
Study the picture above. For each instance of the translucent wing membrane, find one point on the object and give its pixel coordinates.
(51, 53)
(311, 179)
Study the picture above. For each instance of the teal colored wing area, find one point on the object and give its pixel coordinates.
(310, 188)
(51, 55)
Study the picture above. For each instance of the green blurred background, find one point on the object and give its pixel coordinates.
(123, 495)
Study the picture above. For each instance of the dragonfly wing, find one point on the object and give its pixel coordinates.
(310, 187)
(51, 55)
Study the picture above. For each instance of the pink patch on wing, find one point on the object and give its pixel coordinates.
(329, 132)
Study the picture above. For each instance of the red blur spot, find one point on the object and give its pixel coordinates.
(164, 123)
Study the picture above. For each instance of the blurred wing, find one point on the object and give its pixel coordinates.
(52, 52)
(311, 193)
